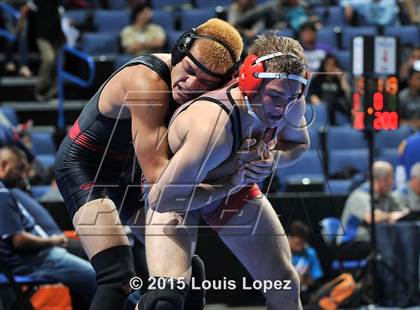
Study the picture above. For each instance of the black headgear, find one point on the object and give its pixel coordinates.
(182, 49)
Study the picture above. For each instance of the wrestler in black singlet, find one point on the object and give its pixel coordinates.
(96, 159)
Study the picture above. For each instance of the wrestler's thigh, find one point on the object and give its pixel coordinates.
(170, 242)
(261, 245)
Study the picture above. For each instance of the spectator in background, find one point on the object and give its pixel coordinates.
(315, 52)
(356, 217)
(238, 9)
(412, 10)
(304, 258)
(279, 14)
(49, 38)
(28, 249)
(382, 13)
(409, 98)
(20, 43)
(409, 196)
(330, 86)
(409, 151)
(407, 65)
(371, 12)
(142, 37)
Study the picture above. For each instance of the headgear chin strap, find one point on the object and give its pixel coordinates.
(252, 72)
(182, 48)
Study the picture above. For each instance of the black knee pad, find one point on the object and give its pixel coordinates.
(167, 298)
(114, 268)
(196, 299)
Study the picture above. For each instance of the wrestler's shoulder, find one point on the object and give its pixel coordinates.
(146, 78)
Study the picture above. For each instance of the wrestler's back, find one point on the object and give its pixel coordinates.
(112, 101)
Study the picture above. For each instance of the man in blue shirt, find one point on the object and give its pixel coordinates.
(409, 151)
(25, 247)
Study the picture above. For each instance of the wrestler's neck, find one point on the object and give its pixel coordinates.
(251, 125)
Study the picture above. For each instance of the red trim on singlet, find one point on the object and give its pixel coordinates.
(82, 139)
(231, 206)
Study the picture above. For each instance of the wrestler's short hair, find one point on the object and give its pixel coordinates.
(218, 59)
(269, 43)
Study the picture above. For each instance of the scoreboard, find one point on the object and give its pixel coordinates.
(375, 83)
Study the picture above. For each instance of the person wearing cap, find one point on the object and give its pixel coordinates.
(201, 181)
(122, 126)
(409, 98)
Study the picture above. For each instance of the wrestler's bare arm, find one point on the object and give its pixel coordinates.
(202, 140)
(148, 106)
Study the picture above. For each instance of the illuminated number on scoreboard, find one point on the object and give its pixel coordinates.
(378, 101)
(391, 86)
(381, 107)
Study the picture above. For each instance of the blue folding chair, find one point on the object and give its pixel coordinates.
(330, 228)
(166, 19)
(285, 32)
(117, 4)
(43, 143)
(392, 138)
(316, 115)
(344, 58)
(100, 43)
(330, 16)
(339, 160)
(348, 33)
(193, 18)
(168, 4)
(79, 16)
(408, 34)
(210, 4)
(111, 20)
(327, 35)
(309, 166)
(345, 138)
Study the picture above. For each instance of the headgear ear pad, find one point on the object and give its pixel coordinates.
(182, 45)
(248, 83)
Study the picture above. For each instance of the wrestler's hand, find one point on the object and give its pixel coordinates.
(253, 172)
(251, 150)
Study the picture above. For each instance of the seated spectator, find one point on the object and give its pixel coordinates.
(408, 63)
(304, 258)
(279, 14)
(142, 37)
(356, 217)
(382, 13)
(20, 30)
(315, 52)
(371, 12)
(238, 9)
(409, 151)
(412, 10)
(331, 86)
(25, 247)
(352, 9)
(409, 98)
(409, 196)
